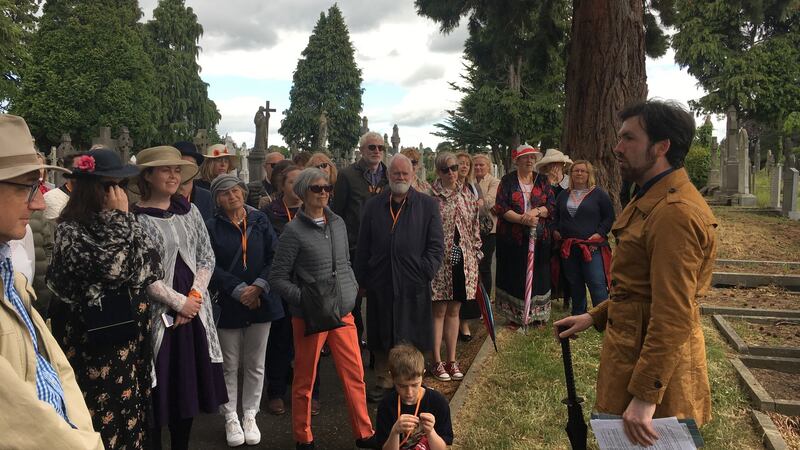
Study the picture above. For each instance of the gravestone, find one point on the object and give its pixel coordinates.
(757, 155)
(104, 139)
(770, 161)
(64, 150)
(743, 197)
(255, 160)
(364, 126)
(395, 139)
(791, 176)
(200, 140)
(775, 181)
(124, 143)
(713, 173)
(731, 180)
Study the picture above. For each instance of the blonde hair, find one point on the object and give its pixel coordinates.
(471, 174)
(207, 171)
(319, 158)
(589, 168)
(483, 156)
(406, 362)
(411, 153)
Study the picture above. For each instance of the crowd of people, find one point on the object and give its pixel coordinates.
(171, 282)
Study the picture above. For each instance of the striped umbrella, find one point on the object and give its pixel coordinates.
(529, 277)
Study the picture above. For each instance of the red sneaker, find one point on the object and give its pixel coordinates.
(454, 371)
(439, 372)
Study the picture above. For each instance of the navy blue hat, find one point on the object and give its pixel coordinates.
(101, 162)
(189, 149)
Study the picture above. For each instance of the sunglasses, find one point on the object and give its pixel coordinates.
(32, 188)
(322, 166)
(122, 184)
(414, 162)
(453, 168)
(374, 147)
(317, 189)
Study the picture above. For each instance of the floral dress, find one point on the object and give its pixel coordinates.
(109, 252)
(512, 250)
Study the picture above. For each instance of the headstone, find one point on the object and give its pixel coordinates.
(791, 177)
(104, 139)
(713, 173)
(200, 140)
(395, 139)
(743, 197)
(770, 161)
(124, 143)
(64, 149)
(731, 180)
(757, 155)
(775, 181)
(255, 160)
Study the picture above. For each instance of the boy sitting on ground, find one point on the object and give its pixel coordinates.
(414, 417)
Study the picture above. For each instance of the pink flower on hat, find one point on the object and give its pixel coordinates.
(84, 163)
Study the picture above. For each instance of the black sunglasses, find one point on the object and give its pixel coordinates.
(317, 189)
(33, 188)
(374, 147)
(453, 168)
(322, 166)
(414, 162)
(122, 184)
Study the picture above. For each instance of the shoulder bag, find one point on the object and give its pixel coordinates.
(320, 300)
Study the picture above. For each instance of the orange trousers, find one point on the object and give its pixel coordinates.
(346, 353)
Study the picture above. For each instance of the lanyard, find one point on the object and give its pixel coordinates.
(288, 211)
(243, 232)
(420, 394)
(396, 216)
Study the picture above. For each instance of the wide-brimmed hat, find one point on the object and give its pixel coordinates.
(189, 149)
(552, 156)
(101, 162)
(220, 150)
(525, 149)
(17, 153)
(166, 155)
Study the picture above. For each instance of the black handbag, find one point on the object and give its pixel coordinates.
(112, 322)
(320, 300)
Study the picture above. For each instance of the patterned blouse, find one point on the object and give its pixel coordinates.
(510, 198)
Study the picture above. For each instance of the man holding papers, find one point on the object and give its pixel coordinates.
(653, 361)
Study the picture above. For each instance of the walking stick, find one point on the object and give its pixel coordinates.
(576, 425)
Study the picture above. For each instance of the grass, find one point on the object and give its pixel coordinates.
(516, 403)
(763, 189)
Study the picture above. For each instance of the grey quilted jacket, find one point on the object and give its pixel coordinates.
(305, 247)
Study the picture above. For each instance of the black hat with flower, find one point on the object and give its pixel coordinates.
(101, 162)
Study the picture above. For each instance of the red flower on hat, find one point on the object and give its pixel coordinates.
(84, 163)
(216, 151)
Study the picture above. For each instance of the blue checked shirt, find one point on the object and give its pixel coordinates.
(48, 385)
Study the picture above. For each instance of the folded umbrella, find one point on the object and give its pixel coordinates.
(485, 305)
(576, 424)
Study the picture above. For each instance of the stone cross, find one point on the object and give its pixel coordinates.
(104, 139)
(124, 143)
(200, 140)
(395, 139)
(255, 160)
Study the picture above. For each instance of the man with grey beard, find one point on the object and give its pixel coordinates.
(400, 247)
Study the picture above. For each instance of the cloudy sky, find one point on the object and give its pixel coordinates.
(250, 50)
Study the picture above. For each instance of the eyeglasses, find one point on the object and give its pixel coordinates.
(373, 147)
(317, 189)
(32, 187)
(414, 162)
(122, 184)
(579, 171)
(453, 168)
(322, 166)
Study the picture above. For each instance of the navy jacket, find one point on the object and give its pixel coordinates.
(595, 215)
(202, 199)
(226, 240)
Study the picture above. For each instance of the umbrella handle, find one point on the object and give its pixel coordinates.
(566, 355)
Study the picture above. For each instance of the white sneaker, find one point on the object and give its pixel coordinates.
(251, 433)
(233, 432)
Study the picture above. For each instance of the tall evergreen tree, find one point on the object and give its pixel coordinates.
(173, 37)
(17, 24)
(89, 69)
(326, 79)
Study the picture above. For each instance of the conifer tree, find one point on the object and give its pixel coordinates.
(17, 24)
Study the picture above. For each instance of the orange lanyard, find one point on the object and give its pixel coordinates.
(288, 212)
(396, 216)
(243, 232)
(416, 411)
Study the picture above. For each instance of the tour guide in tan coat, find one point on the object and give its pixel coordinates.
(653, 360)
(32, 391)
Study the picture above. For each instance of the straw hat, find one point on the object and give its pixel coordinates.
(218, 151)
(17, 154)
(166, 155)
(552, 156)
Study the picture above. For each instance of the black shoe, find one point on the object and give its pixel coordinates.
(464, 337)
(325, 350)
(369, 442)
(375, 394)
(309, 446)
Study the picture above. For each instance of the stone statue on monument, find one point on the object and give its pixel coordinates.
(322, 134)
(395, 139)
(261, 120)
(364, 126)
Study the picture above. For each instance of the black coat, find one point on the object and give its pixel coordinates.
(226, 240)
(202, 199)
(397, 267)
(351, 192)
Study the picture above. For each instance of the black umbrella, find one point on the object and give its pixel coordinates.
(576, 425)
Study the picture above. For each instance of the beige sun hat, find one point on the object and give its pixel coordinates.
(166, 155)
(552, 156)
(221, 150)
(17, 154)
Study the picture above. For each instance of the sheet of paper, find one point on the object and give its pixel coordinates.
(673, 435)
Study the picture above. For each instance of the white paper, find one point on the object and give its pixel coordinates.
(673, 435)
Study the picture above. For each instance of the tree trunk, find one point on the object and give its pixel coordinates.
(605, 73)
